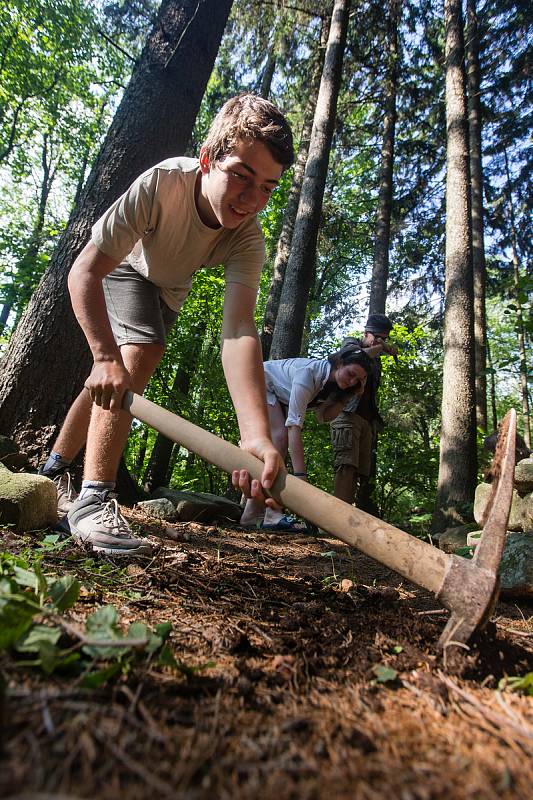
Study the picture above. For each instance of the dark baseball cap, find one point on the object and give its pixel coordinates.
(378, 323)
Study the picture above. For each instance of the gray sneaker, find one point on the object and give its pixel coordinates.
(99, 523)
(66, 493)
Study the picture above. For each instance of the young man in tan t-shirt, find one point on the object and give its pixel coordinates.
(129, 282)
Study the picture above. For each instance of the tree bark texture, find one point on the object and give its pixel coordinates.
(268, 73)
(48, 358)
(519, 316)
(478, 244)
(380, 267)
(289, 218)
(457, 467)
(287, 338)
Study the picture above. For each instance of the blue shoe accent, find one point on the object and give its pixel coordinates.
(285, 525)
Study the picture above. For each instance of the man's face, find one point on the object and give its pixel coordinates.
(371, 339)
(237, 187)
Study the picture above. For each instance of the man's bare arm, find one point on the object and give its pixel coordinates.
(109, 379)
(243, 368)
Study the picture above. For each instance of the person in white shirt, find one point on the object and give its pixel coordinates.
(294, 385)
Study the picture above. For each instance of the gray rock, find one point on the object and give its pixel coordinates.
(200, 506)
(454, 538)
(160, 508)
(27, 502)
(516, 568)
(521, 516)
(523, 476)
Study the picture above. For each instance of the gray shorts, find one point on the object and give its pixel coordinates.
(136, 310)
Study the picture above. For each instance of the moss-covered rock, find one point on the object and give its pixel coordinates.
(27, 502)
(516, 567)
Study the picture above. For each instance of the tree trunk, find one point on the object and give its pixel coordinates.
(291, 210)
(519, 315)
(493, 408)
(157, 470)
(478, 245)
(380, 268)
(4, 315)
(457, 467)
(48, 358)
(268, 72)
(158, 465)
(288, 332)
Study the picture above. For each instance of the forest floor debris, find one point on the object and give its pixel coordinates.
(310, 671)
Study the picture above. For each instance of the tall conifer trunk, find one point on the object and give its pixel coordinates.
(519, 315)
(289, 217)
(48, 358)
(458, 464)
(288, 332)
(380, 268)
(478, 244)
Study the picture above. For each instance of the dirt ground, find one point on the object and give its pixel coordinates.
(286, 701)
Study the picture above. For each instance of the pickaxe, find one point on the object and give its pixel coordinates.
(468, 588)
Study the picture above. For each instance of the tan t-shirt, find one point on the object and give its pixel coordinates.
(154, 226)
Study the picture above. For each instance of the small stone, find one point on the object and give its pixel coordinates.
(346, 585)
(200, 506)
(454, 538)
(160, 508)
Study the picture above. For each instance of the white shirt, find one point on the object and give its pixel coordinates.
(295, 382)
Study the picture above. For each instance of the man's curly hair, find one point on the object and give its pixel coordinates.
(254, 118)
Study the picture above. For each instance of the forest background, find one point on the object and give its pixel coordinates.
(381, 239)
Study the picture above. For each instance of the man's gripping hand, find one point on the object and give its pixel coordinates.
(107, 383)
(241, 479)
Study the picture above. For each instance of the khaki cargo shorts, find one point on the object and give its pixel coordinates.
(351, 439)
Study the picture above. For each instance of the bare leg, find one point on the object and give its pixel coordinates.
(346, 483)
(73, 433)
(108, 430)
(254, 510)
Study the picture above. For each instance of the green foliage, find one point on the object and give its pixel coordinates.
(58, 81)
(384, 674)
(408, 454)
(33, 626)
(522, 684)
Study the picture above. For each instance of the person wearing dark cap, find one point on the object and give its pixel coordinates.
(294, 385)
(353, 431)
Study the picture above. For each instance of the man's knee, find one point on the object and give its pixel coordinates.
(141, 360)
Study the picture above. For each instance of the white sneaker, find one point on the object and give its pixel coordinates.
(66, 493)
(99, 523)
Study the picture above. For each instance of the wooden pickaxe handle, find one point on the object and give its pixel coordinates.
(415, 560)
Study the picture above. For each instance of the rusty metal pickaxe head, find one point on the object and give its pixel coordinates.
(470, 587)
